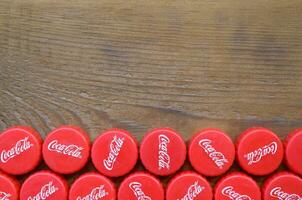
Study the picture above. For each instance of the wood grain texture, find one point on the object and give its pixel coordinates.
(138, 65)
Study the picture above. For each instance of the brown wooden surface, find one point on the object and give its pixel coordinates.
(143, 64)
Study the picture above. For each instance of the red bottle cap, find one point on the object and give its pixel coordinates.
(189, 185)
(259, 151)
(282, 186)
(141, 185)
(211, 152)
(114, 153)
(163, 151)
(293, 151)
(92, 186)
(44, 185)
(20, 150)
(9, 188)
(237, 186)
(66, 149)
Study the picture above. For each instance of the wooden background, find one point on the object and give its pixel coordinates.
(138, 65)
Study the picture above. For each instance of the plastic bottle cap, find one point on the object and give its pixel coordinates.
(141, 185)
(44, 185)
(114, 153)
(66, 149)
(163, 151)
(259, 151)
(9, 188)
(237, 186)
(20, 150)
(282, 186)
(92, 186)
(189, 185)
(293, 151)
(211, 152)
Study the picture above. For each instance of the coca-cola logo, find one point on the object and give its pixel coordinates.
(256, 155)
(20, 147)
(193, 191)
(163, 155)
(68, 150)
(136, 187)
(95, 194)
(46, 191)
(115, 148)
(4, 196)
(278, 193)
(232, 194)
(217, 157)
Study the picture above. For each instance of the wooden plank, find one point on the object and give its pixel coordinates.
(138, 65)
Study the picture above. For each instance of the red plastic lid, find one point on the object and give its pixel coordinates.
(259, 151)
(9, 188)
(211, 152)
(141, 185)
(66, 149)
(92, 186)
(293, 151)
(189, 185)
(163, 151)
(237, 186)
(114, 153)
(282, 186)
(20, 150)
(44, 185)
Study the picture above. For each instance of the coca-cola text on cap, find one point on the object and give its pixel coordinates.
(282, 186)
(211, 152)
(293, 151)
(20, 150)
(114, 153)
(141, 185)
(189, 185)
(66, 149)
(259, 151)
(235, 186)
(92, 186)
(44, 185)
(163, 151)
(9, 188)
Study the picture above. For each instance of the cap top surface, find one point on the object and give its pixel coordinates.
(163, 151)
(19, 146)
(237, 185)
(211, 152)
(293, 151)
(114, 153)
(44, 185)
(259, 151)
(283, 186)
(92, 186)
(66, 149)
(189, 185)
(141, 185)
